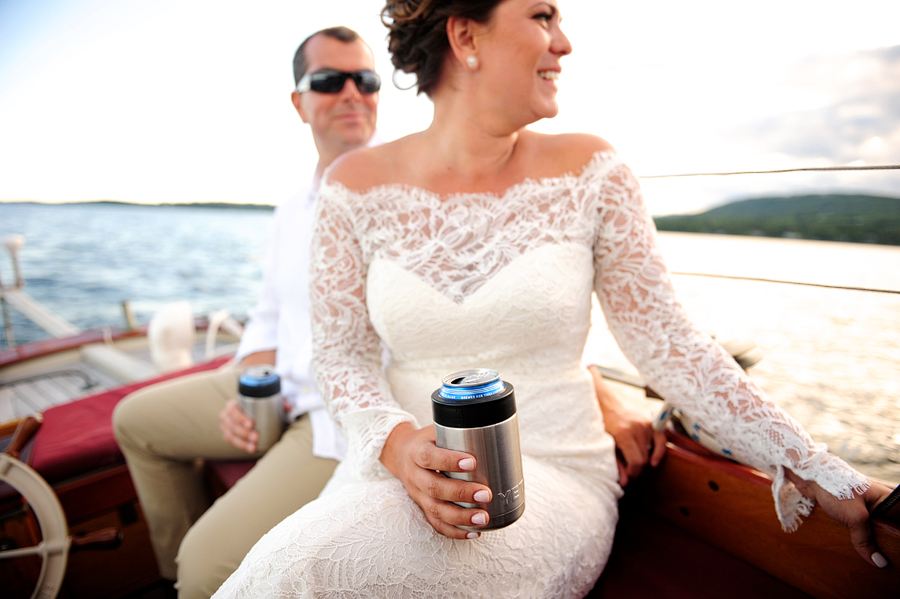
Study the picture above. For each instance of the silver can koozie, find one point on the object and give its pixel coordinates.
(475, 412)
(259, 394)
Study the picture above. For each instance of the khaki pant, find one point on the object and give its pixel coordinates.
(163, 430)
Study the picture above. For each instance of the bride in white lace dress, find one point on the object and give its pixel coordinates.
(478, 243)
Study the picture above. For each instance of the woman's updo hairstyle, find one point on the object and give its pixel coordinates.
(417, 39)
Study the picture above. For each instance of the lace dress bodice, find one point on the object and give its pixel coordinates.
(502, 282)
(440, 281)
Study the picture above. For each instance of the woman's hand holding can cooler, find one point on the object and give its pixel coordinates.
(475, 412)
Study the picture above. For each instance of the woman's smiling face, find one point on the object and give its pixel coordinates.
(519, 52)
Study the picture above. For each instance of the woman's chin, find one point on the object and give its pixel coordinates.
(547, 112)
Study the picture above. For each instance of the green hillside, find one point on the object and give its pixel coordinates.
(857, 218)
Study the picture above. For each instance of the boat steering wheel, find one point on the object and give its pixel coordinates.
(53, 548)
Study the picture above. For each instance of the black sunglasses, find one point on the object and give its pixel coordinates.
(330, 81)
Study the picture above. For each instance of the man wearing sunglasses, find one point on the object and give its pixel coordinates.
(164, 428)
(336, 94)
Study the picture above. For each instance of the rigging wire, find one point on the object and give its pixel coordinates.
(763, 280)
(881, 167)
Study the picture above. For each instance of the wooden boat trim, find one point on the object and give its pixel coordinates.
(39, 349)
(729, 506)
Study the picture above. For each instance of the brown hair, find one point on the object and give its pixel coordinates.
(417, 39)
(340, 33)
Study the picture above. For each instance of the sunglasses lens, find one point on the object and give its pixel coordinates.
(327, 82)
(332, 82)
(367, 82)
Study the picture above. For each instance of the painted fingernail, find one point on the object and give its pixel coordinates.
(480, 519)
(467, 464)
(473, 535)
(482, 496)
(876, 557)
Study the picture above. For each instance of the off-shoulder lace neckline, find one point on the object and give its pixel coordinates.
(600, 157)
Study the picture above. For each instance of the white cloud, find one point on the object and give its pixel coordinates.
(859, 119)
(188, 100)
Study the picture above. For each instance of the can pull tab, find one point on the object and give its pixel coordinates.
(477, 377)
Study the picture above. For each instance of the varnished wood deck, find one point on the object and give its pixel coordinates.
(41, 375)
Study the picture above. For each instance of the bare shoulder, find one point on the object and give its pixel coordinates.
(365, 168)
(566, 152)
(576, 149)
(358, 169)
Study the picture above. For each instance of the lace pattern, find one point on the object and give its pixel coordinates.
(691, 371)
(342, 545)
(479, 280)
(459, 243)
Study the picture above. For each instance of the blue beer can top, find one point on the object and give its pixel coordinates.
(473, 398)
(259, 381)
(471, 384)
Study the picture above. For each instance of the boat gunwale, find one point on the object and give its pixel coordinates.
(45, 347)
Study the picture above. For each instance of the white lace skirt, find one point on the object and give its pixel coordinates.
(369, 539)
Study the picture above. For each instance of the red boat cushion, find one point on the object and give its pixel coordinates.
(225, 473)
(77, 437)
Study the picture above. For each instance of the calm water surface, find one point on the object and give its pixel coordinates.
(82, 261)
(832, 356)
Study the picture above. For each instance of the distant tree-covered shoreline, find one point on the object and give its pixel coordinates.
(854, 218)
(168, 205)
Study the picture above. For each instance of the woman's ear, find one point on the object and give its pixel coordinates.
(461, 34)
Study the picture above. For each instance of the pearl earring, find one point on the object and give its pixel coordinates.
(472, 61)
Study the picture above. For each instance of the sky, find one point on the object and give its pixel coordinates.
(189, 100)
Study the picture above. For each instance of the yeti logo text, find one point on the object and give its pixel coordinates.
(512, 496)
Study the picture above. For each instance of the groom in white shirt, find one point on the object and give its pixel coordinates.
(165, 428)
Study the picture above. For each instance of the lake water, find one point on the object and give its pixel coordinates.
(83, 260)
(832, 356)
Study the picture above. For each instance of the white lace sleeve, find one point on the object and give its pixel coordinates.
(690, 370)
(347, 351)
